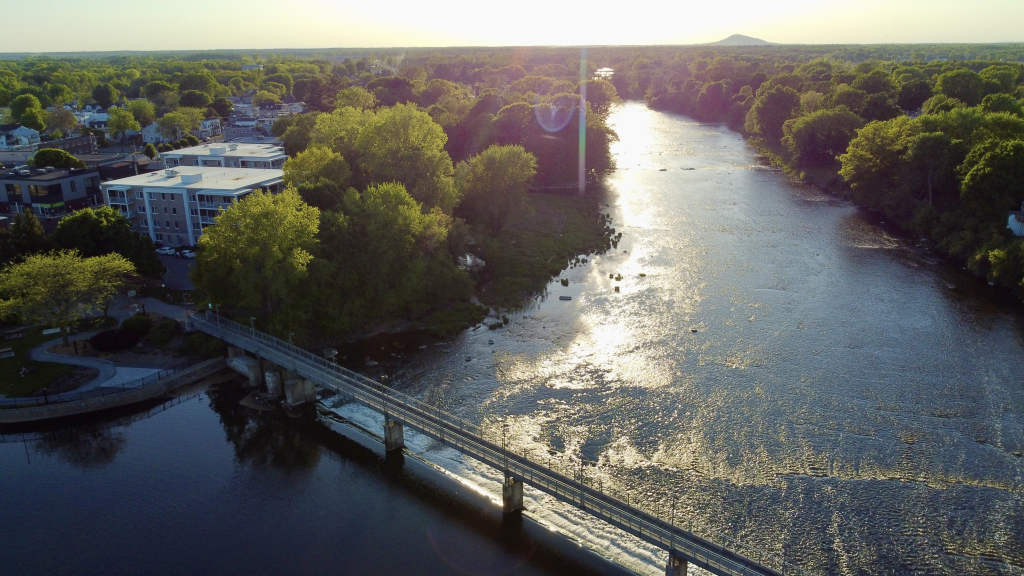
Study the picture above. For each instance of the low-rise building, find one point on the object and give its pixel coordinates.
(227, 156)
(48, 192)
(173, 206)
(17, 135)
(1016, 222)
(76, 145)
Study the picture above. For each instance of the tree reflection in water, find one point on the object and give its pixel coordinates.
(86, 447)
(263, 438)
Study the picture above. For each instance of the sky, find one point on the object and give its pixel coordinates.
(102, 25)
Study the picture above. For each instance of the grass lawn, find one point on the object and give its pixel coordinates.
(11, 383)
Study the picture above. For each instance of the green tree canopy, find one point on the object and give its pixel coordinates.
(962, 84)
(149, 150)
(61, 119)
(105, 95)
(263, 97)
(143, 111)
(255, 257)
(493, 185)
(314, 165)
(61, 288)
(120, 121)
(403, 144)
(355, 97)
(181, 121)
(102, 230)
(1002, 103)
(771, 110)
(56, 158)
(995, 184)
(818, 138)
(194, 99)
(21, 104)
(34, 118)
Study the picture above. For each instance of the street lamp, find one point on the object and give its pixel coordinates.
(290, 334)
(252, 323)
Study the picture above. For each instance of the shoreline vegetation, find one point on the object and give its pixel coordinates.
(408, 185)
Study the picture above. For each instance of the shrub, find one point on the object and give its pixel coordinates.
(114, 340)
(191, 140)
(203, 346)
(162, 332)
(140, 324)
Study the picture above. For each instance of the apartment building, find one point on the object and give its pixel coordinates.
(227, 156)
(49, 192)
(174, 205)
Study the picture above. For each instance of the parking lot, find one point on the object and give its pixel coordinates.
(176, 276)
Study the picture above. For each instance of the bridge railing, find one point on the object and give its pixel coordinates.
(471, 439)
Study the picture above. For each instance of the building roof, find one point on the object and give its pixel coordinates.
(212, 178)
(44, 175)
(235, 150)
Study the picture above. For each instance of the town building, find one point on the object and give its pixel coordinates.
(76, 145)
(48, 192)
(227, 155)
(1016, 222)
(13, 135)
(174, 205)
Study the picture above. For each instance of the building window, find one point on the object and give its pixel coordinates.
(165, 209)
(195, 211)
(163, 196)
(142, 209)
(168, 222)
(191, 197)
(160, 237)
(174, 210)
(175, 223)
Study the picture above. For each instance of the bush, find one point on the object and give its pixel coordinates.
(140, 324)
(162, 332)
(203, 346)
(191, 140)
(455, 319)
(114, 340)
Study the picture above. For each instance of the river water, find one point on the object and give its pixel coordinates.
(777, 368)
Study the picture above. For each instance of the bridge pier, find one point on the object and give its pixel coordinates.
(248, 367)
(677, 565)
(273, 380)
(512, 496)
(394, 436)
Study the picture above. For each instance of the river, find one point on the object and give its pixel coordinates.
(777, 369)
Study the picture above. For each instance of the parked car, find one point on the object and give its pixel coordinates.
(187, 254)
(165, 250)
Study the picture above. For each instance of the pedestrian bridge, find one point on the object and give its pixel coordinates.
(399, 410)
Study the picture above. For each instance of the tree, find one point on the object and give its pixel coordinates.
(103, 230)
(27, 234)
(56, 158)
(120, 121)
(355, 97)
(282, 78)
(1002, 103)
(601, 94)
(182, 120)
(928, 153)
(392, 90)
(993, 186)
(263, 97)
(223, 107)
(143, 111)
(59, 289)
(105, 95)
(255, 257)
(913, 94)
(962, 84)
(149, 150)
(850, 97)
(194, 99)
(1005, 76)
(771, 110)
(403, 144)
(314, 165)
(493, 185)
(203, 81)
(61, 119)
(879, 107)
(877, 81)
(819, 137)
(34, 118)
(160, 93)
(22, 104)
(873, 160)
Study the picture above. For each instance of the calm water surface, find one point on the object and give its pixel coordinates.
(209, 487)
(776, 368)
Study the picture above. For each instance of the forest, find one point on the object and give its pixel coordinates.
(407, 162)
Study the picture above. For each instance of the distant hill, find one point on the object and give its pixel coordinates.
(739, 40)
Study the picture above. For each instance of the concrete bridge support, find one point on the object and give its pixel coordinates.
(512, 496)
(273, 380)
(248, 367)
(235, 351)
(394, 436)
(676, 566)
(298, 391)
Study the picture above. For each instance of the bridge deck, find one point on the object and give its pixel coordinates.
(470, 440)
